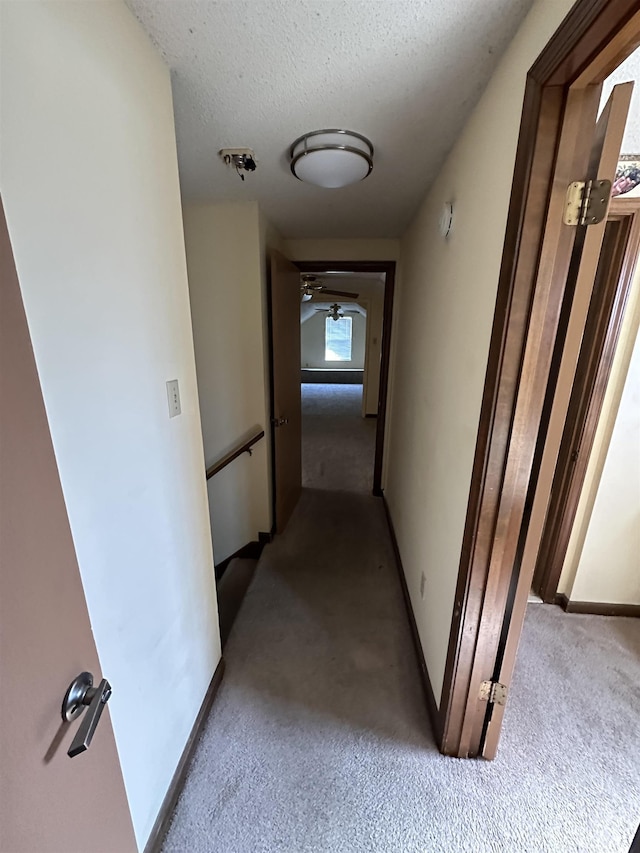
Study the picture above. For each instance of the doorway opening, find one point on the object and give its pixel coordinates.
(341, 320)
(590, 417)
(287, 292)
(370, 275)
(546, 260)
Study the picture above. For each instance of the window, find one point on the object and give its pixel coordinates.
(337, 339)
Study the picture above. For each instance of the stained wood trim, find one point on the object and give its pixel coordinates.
(539, 482)
(602, 332)
(161, 825)
(385, 361)
(432, 706)
(597, 608)
(586, 33)
(535, 163)
(389, 269)
(233, 454)
(537, 251)
(615, 52)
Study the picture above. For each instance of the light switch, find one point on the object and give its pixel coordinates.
(173, 396)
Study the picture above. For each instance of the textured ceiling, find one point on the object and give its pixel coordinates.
(628, 70)
(406, 73)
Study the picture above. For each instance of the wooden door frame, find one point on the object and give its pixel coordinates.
(389, 270)
(560, 104)
(602, 333)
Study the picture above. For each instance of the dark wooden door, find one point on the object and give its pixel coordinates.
(48, 801)
(606, 139)
(286, 412)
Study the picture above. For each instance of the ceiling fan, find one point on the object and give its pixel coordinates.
(335, 311)
(311, 284)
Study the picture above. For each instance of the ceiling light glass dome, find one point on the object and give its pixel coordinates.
(331, 158)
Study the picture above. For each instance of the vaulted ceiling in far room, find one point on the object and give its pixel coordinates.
(405, 73)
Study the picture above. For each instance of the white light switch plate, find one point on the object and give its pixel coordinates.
(173, 396)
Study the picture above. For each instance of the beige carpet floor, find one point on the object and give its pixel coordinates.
(319, 741)
(338, 444)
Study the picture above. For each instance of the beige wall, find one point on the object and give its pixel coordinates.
(226, 246)
(342, 250)
(603, 558)
(89, 179)
(312, 339)
(447, 293)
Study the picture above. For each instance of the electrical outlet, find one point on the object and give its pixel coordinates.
(173, 397)
(422, 582)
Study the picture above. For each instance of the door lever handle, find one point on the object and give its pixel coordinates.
(80, 695)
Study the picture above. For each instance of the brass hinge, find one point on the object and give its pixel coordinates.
(587, 202)
(494, 692)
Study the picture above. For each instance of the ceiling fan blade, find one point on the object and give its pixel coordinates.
(339, 293)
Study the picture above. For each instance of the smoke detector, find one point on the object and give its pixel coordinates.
(241, 159)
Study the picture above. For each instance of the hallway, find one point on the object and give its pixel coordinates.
(176, 201)
(320, 711)
(319, 741)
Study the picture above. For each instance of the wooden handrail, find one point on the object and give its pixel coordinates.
(245, 447)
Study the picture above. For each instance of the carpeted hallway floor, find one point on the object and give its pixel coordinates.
(338, 444)
(319, 742)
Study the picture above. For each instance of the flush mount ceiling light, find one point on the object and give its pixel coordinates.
(331, 158)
